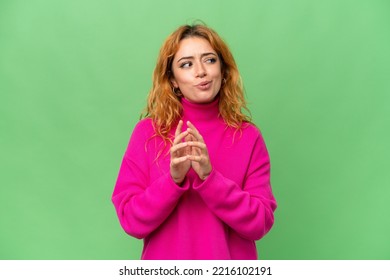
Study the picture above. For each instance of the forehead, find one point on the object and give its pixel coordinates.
(193, 46)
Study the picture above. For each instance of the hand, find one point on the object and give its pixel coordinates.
(199, 155)
(180, 152)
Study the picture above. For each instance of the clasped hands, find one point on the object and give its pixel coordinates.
(188, 150)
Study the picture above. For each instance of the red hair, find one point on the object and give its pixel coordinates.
(164, 106)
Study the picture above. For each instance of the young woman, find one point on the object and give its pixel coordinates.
(195, 178)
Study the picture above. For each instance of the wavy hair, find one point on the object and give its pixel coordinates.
(164, 106)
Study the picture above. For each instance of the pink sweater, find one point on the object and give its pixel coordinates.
(219, 218)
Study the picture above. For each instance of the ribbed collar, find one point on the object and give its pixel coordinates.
(200, 111)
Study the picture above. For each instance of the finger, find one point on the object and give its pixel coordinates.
(198, 148)
(178, 128)
(178, 147)
(179, 138)
(192, 126)
(186, 139)
(193, 131)
(195, 158)
(189, 137)
(197, 144)
(177, 161)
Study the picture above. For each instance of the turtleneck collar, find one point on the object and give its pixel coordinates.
(200, 111)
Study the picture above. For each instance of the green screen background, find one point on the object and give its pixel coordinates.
(74, 75)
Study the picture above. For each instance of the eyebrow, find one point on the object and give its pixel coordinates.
(202, 55)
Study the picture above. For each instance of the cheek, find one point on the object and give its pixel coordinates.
(218, 76)
(219, 86)
(217, 73)
(182, 78)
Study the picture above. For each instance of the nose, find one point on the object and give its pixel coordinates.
(201, 71)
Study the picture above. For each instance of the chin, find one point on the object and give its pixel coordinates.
(203, 101)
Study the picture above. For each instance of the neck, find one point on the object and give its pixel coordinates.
(200, 111)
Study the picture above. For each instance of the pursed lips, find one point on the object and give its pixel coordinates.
(203, 85)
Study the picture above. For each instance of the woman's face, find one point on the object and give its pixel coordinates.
(196, 70)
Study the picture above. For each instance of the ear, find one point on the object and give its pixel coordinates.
(174, 83)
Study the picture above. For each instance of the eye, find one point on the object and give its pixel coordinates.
(211, 60)
(186, 64)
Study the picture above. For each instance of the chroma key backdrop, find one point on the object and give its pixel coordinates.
(74, 75)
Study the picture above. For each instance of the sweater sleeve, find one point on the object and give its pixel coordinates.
(141, 205)
(248, 209)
